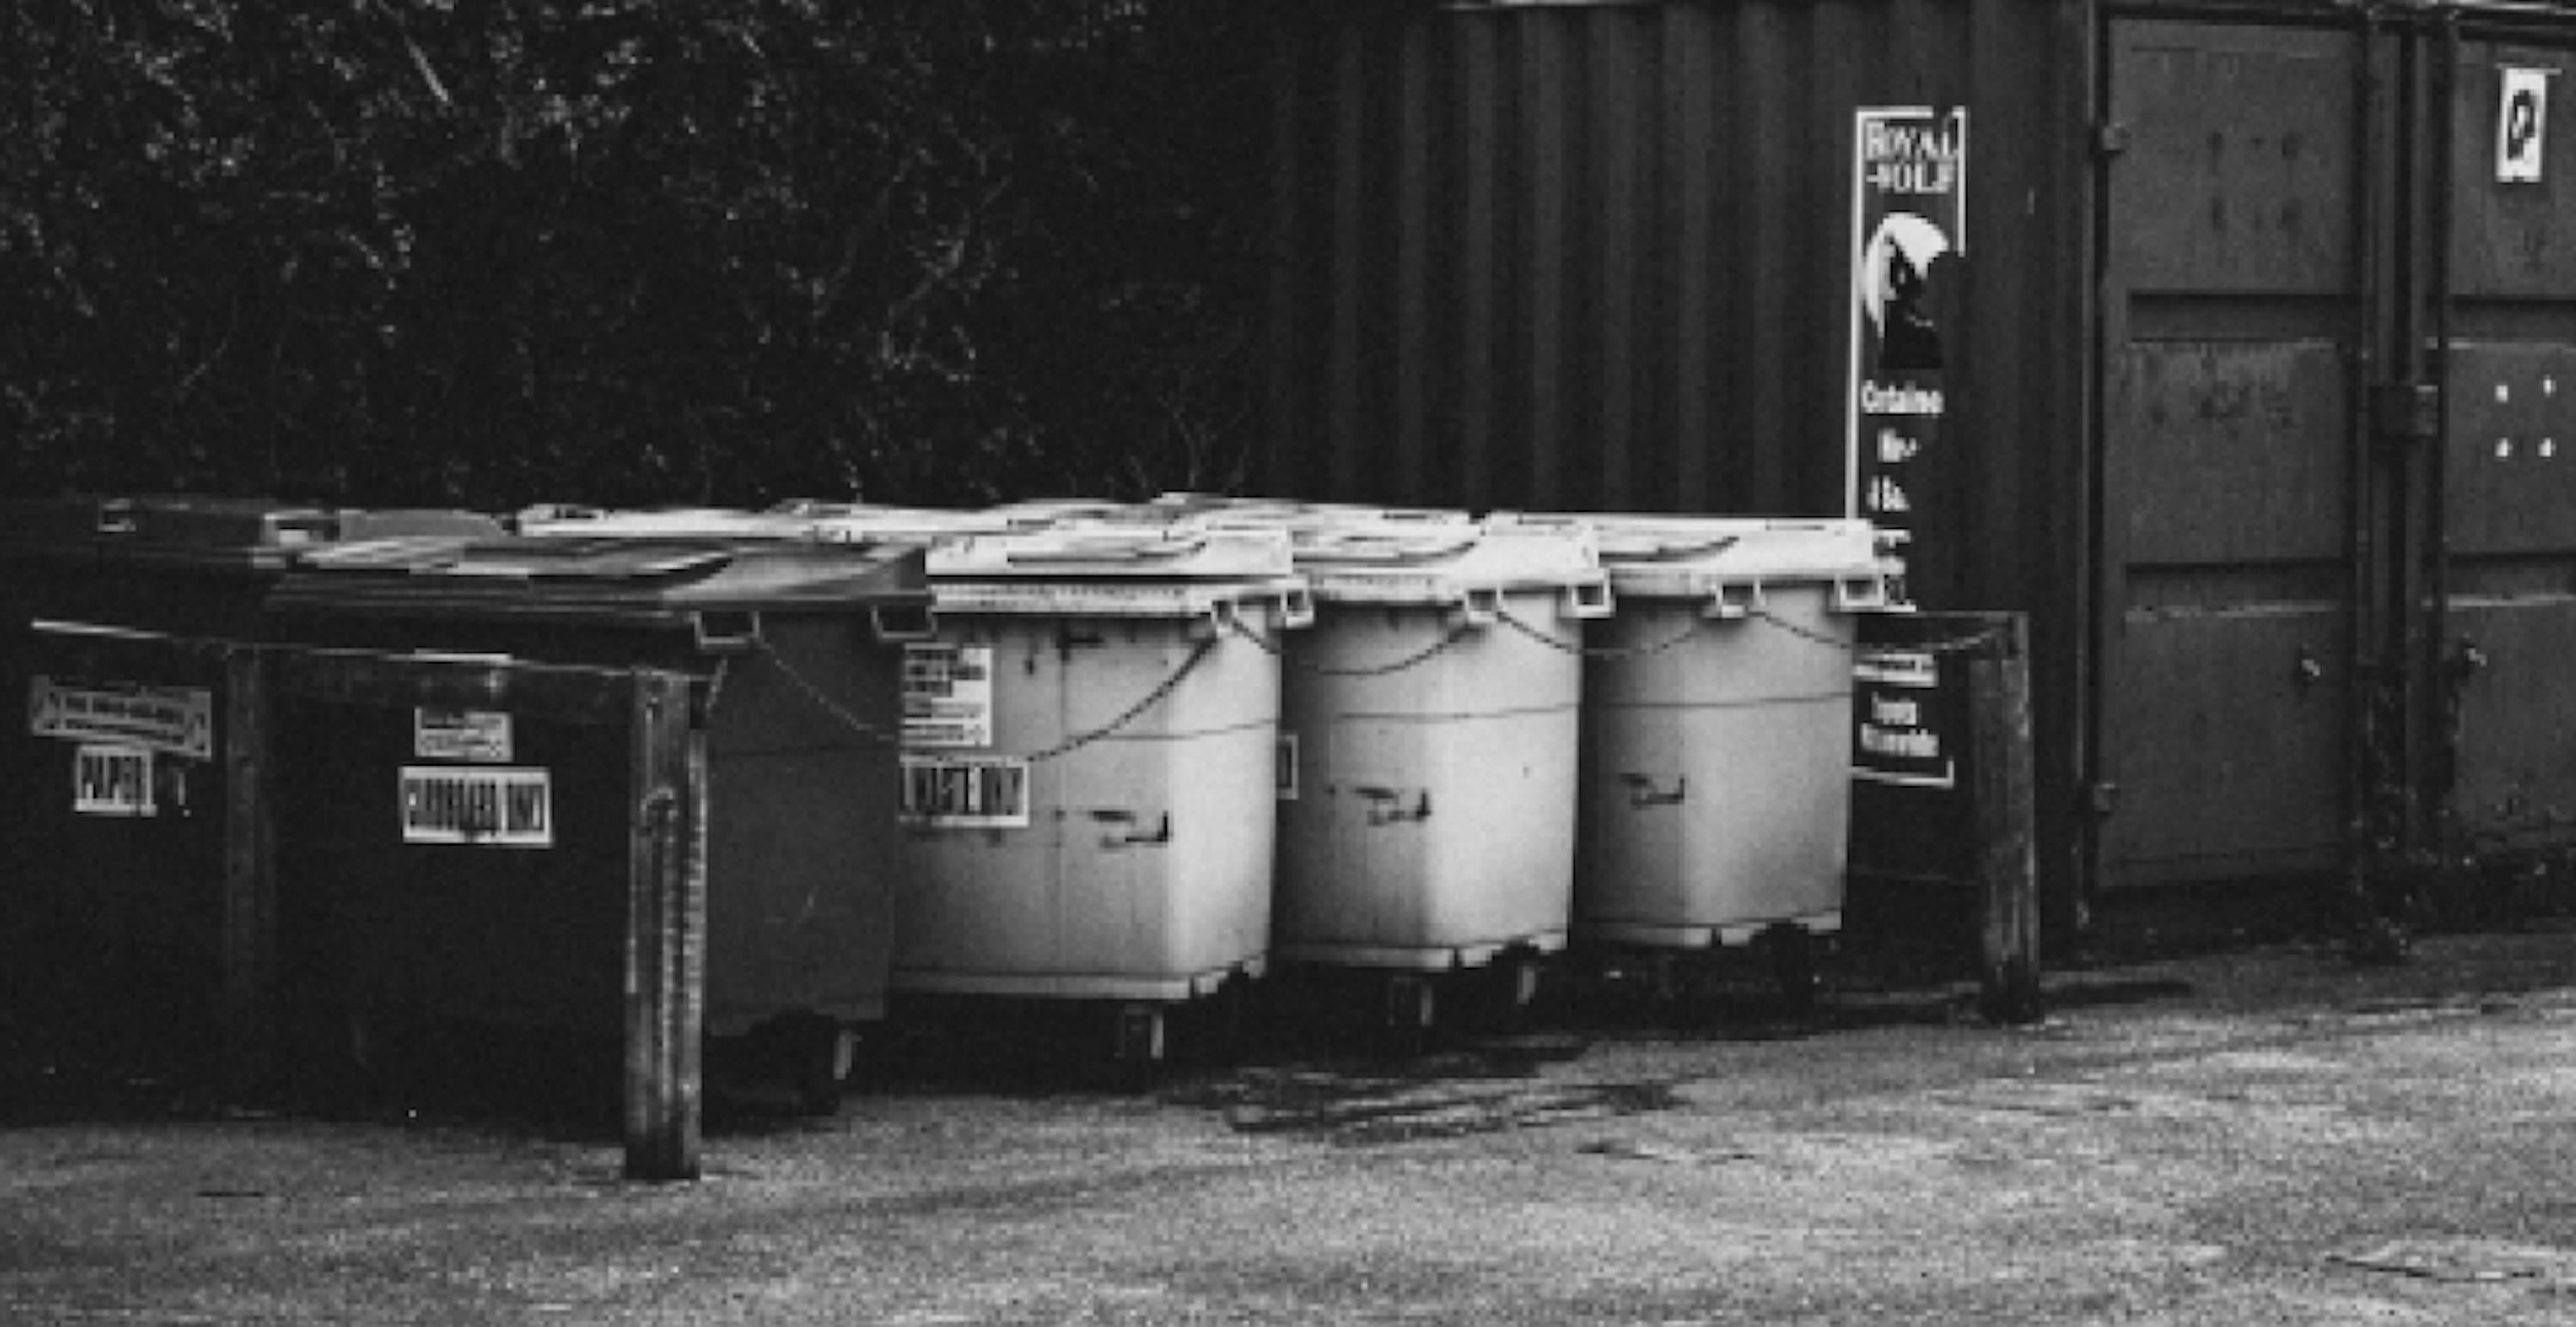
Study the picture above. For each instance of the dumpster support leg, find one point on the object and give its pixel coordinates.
(666, 933)
(2006, 855)
(250, 882)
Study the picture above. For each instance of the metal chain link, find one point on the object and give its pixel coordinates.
(1952, 645)
(870, 732)
(867, 731)
(1132, 712)
(1456, 633)
(1591, 652)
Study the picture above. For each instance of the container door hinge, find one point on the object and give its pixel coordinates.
(2408, 413)
(2111, 138)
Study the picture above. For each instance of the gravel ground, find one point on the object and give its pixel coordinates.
(2269, 1135)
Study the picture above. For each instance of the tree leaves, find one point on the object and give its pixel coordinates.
(616, 251)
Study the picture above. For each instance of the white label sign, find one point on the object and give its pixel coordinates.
(966, 792)
(178, 720)
(501, 808)
(947, 695)
(475, 735)
(2522, 125)
(112, 781)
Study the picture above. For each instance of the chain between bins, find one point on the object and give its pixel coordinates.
(870, 732)
(1954, 645)
(1457, 633)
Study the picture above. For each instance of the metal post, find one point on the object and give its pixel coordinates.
(666, 933)
(2006, 857)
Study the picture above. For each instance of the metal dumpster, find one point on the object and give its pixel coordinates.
(469, 866)
(117, 617)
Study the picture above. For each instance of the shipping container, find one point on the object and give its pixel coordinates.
(2235, 343)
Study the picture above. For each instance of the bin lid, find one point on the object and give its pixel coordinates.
(1111, 570)
(1220, 509)
(207, 532)
(556, 520)
(1685, 555)
(638, 579)
(1383, 562)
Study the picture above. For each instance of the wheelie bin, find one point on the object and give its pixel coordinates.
(1717, 737)
(1427, 811)
(118, 614)
(1089, 772)
(444, 868)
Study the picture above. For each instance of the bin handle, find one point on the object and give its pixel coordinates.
(1482, 604)
(1729, 601)
(1860, 594)
(116, 516)
(1383, 806)
(1585, 600)
(909, 622)
(1297, 606)
(1643, 792)
(727, 632)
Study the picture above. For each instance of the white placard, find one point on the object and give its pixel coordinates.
(478, 804)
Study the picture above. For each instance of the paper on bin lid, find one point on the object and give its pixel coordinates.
(1122, 552)
(1648, 554)
(555, 520)
(1379, 563)
(1119, 571)
(1218, 509)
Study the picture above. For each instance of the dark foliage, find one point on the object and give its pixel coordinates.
(620, 251)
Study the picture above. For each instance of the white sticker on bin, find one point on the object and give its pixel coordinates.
(112, 781)
(178, 720)
(947, 695)
(965, 792)
(483, 805)
(480, 736)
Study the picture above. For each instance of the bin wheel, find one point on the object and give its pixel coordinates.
(820, 1055)
(1793, 966)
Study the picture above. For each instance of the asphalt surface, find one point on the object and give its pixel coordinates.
(2270, 1135)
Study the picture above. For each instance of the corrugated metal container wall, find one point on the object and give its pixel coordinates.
(1599, 257)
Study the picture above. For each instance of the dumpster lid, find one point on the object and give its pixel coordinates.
(211, 532)
(612, 576)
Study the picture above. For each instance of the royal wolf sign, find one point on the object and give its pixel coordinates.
(1909, 226)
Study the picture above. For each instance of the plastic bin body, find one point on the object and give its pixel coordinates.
(1429, 823)
(1716, 782)
(801, 767)
(1091, 770)
(112, 901)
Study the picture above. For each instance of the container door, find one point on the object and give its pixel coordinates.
(2237, 271)
(2496, 657)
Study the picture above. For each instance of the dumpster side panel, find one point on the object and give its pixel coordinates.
(2237, 312)
(803, 826)
(2509, 453)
